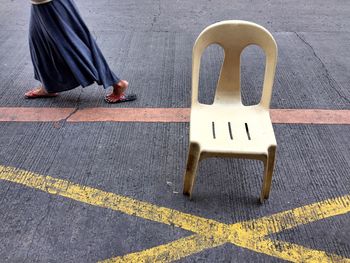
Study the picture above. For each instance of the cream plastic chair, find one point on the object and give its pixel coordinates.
(227, 128)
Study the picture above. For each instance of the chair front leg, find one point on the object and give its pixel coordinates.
(191, 168)
(269, 165)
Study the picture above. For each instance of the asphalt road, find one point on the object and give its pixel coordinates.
(150, 44)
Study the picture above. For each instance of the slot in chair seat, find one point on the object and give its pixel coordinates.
(227, 128)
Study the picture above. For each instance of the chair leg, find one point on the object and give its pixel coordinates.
(191, 168)
(268, 171)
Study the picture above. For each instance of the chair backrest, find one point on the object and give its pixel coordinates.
(233, 36)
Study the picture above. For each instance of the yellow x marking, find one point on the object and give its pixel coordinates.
(208, 233)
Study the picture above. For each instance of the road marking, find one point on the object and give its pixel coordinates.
(278, 116)
(24, 114)
(310, 116)
(209, 233)
(170, 252)
(132, 115)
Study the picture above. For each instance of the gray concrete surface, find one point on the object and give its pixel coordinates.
(152, 49)
(312, 165)
(149, 43)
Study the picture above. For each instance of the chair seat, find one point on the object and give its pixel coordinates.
(242, 130)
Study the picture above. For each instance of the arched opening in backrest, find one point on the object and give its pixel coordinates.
(252, 74)
(211, 63)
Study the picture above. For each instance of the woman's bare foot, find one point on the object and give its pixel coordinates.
(118, 94)
(39, 92)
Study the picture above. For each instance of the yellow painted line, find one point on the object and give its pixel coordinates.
(170, 252)
(113, 201)
(299, 216)
(279, 249)
(295, 253)
(210, 233)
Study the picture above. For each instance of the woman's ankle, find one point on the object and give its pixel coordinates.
(120, 87)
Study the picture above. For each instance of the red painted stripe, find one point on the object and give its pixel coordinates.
(24, 114)
(279, 116)
(132, 115)
(310, 116)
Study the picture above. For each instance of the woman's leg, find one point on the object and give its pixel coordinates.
(65, 55)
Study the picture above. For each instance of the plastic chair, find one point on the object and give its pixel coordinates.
(227, 128)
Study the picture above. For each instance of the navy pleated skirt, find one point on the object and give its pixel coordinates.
(64, 53)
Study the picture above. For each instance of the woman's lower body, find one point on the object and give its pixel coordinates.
(65, 54)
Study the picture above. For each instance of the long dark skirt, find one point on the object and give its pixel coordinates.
(64, 53)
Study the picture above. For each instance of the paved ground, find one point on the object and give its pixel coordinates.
(92, 191)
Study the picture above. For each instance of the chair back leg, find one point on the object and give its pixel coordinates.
(268, 171)
(191, 168)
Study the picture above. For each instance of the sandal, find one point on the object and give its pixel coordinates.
(122, 98)
(38, 93)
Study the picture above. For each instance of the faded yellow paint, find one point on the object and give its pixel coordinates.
(171, 251)
(209, 233)
(300, 216)
(113, 201)
(295, 253)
